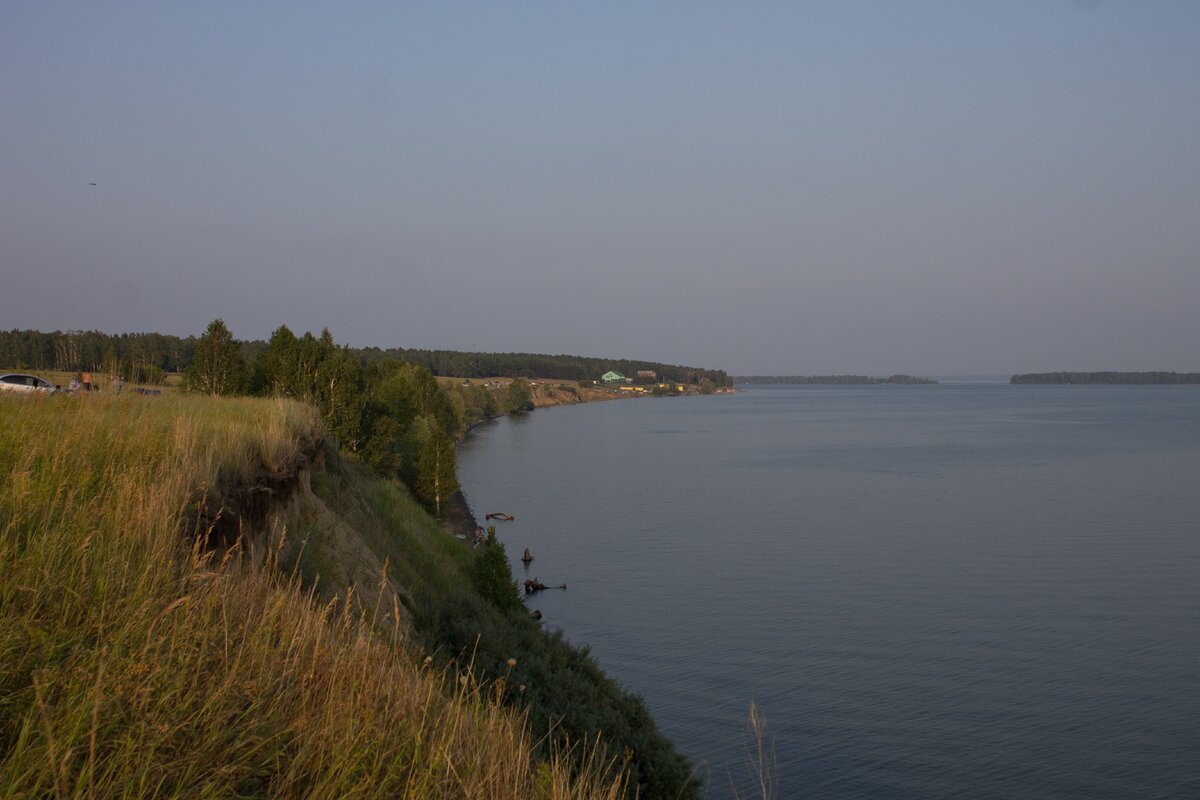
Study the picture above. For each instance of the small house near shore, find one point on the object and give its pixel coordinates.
(613, 377)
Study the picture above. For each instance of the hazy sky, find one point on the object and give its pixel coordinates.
(778, 187)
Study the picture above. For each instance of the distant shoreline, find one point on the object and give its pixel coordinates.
(831, 380)
(1107, 378)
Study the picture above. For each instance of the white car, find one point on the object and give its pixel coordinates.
(20, 382)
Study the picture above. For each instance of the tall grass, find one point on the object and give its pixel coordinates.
(134, 665)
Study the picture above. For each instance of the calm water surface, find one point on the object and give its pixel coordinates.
(965, 590)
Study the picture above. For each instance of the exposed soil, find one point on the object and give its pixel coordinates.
(228, 514)
(459, 520)
(254, 519)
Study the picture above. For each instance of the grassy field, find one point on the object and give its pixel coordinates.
(134, 664)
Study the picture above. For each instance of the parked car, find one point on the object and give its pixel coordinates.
(20, 382)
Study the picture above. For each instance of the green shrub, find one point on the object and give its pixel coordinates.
(492, 577)
(567, 696)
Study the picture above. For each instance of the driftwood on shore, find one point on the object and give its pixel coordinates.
(500, 515)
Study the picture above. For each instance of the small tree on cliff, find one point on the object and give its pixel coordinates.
(492, 577)
(217, 366)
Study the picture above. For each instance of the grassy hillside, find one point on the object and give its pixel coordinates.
(135, 662)
(466, 611)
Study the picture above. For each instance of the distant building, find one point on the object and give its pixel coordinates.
(647, 373)
(613, 377)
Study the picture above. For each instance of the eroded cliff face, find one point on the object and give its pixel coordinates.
(244, 515)
(272, 521)
(560, 394)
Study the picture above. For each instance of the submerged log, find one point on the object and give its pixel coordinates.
(533, 585)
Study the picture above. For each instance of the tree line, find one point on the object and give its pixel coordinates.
(533, 365)
(1117, 378)
(137, 355)
(392, 414)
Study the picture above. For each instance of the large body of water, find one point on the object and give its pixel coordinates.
(961, 590)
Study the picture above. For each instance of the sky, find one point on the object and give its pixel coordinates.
(935, 188)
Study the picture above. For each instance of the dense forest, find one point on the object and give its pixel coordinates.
(1115, 378)
(142, 357)
(849, 380)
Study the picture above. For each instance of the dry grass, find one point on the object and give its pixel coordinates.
(130, 666)
(758, 750)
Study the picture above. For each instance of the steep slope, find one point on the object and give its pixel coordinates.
(139, 661)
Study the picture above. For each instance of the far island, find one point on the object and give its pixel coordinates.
(1111, 378)
(836, 380)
